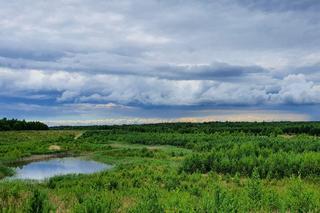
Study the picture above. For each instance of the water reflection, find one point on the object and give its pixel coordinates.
(61, 166)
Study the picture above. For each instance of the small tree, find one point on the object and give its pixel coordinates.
(254, 189)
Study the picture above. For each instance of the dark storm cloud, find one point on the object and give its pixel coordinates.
(217, 71)
(30, 55)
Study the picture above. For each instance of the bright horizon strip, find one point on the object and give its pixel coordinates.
(250, 117)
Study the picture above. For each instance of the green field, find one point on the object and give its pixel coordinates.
(167, 169)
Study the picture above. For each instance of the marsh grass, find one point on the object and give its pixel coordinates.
(163, 172)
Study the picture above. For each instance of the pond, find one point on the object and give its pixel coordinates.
(45, 169)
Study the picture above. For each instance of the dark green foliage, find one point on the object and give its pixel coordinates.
(14, 124)
(194, 163)
(5, 171)
(113, 185)
(257, 128)
(38, 203)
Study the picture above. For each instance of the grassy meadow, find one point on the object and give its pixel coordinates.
(164, 168)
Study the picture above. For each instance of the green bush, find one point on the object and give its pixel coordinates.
(38, 203)
(300, 198)
(103, 203)
(148, 204)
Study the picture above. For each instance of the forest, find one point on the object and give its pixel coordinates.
(14, 124)
(261, 128)
(171, 167)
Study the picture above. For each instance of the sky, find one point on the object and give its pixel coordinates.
(82, 62)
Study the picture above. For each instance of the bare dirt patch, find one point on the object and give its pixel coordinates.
(54, 148)
(287, 136)
(78, 135)
(153, 147)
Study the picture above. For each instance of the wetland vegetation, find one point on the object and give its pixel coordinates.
(182, 167)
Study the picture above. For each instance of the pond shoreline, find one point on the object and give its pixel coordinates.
(47, 168)
(39, 157)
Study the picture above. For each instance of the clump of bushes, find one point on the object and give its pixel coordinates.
(5, 171)
(268, 165)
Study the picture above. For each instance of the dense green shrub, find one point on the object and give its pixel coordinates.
(5, 171)
(38, 203)
(149, 203)
(97, 204)
(300, 199)
(276, 165)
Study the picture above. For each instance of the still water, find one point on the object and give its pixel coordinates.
(41, 170)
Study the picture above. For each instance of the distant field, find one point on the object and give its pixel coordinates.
(165, 168)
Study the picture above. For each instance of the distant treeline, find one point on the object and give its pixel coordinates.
(259, 128)
(14, 124)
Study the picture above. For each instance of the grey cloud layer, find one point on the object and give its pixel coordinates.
(161, 52)
(84, 87)
(282, 5)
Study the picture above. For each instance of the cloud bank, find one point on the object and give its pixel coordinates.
(132, 54)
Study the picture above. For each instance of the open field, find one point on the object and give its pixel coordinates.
(167, 171)
(160, 106)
